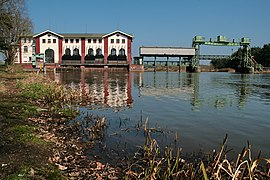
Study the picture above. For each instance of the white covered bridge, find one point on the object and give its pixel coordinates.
(178, 55)
(166, 52)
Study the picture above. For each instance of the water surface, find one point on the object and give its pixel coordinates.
(200, 107)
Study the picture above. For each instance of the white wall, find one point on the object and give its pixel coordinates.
(71, 46)
(119, 45)
(94, 46)
(46, 45)
(26, 56)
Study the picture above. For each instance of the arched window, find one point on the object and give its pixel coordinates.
(122, 55)
(90, 52)
(67, 52)
(113, 52)
(76, 52)
(99, 52)
(122, 52)
(49, 56)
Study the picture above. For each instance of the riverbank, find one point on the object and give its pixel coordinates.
(36, 141)
(39, 140)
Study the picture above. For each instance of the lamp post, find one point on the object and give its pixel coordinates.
(34, 62)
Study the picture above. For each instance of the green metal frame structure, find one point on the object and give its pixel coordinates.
(247, 61)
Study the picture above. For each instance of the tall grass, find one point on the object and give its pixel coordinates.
(49, 94)
(151, 163)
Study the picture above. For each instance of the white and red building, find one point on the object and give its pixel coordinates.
(77, 49)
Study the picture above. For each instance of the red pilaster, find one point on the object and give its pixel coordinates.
(106, 88)
(129, 51)
(129, 99)
(20, 51)
(60, 49)
(106, 50)
(83, 87)
(37, 45)
(83, 50)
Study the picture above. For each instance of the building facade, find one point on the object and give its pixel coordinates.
(77, 49)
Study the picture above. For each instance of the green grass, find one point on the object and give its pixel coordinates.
(25, 133)
(22, 174)
(68, 112)
(26, 172)
(16, 108)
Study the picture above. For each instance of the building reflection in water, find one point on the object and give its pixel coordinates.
(112, 89)
(181, 85)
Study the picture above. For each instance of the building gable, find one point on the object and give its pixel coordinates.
(120, 33)
(47, 32)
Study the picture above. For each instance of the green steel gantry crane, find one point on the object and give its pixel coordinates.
(247, 62)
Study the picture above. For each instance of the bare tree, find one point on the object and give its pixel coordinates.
(14, 23)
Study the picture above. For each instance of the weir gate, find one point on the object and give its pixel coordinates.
(182, 54)
(190, 56)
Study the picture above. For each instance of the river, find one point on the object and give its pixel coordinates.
(197, 108)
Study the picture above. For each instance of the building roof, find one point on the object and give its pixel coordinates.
(85, 35)
(47, 31)
(120, 32)
(82, 35)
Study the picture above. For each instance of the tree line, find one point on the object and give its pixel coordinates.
(260, 54)
(14, 23)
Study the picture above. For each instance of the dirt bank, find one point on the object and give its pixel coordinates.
(36, 142)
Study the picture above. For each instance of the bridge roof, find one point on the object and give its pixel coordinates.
(151, 51)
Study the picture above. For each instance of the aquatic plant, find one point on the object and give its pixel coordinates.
(152, 164)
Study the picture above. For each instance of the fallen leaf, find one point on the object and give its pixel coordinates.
(99, 165)
(60, 167)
